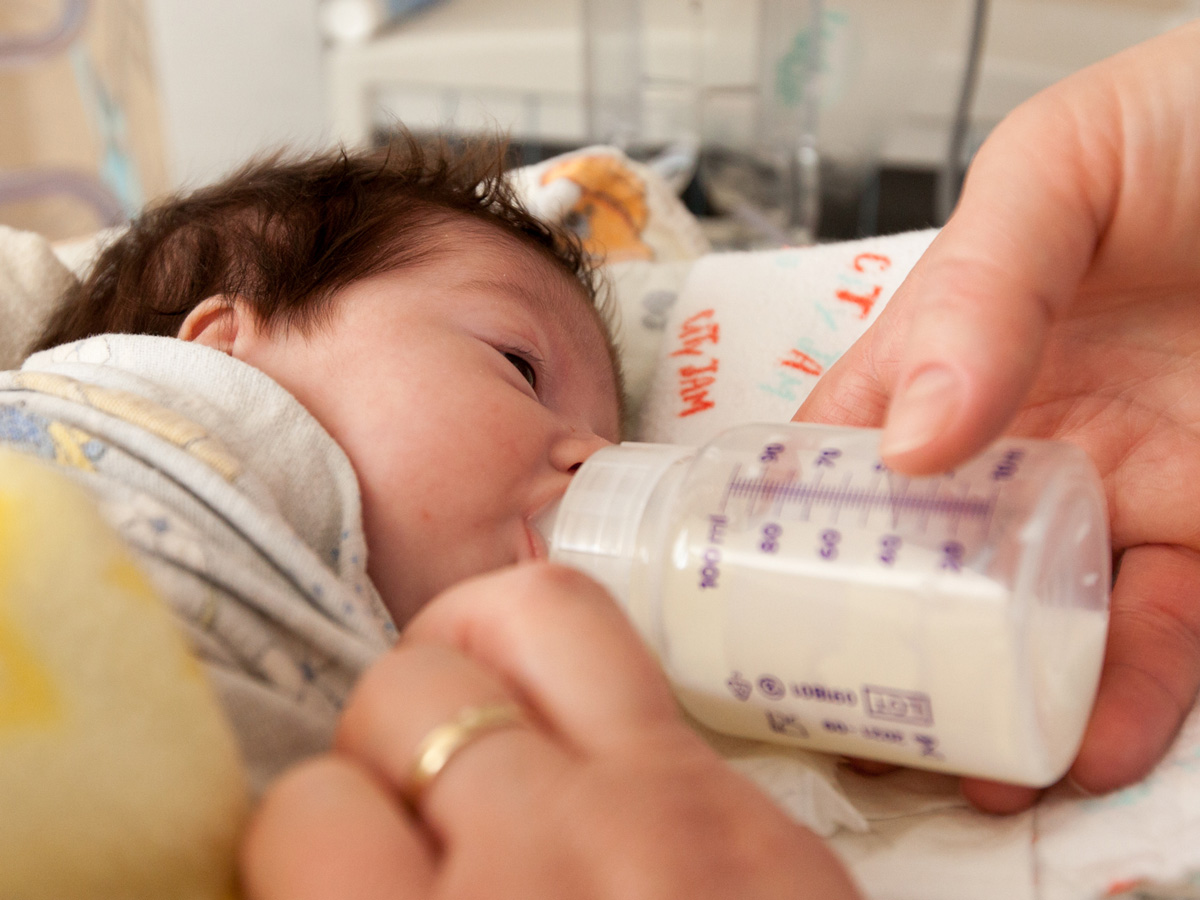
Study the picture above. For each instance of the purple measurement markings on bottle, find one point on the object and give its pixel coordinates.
(847, 496)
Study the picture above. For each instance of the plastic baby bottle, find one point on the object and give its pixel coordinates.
(796, 590)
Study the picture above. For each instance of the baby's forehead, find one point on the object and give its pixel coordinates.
(511, 252)
(518, 265)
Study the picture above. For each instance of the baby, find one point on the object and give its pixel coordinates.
(313, 396)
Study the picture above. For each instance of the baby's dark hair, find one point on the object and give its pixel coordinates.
(285, 234)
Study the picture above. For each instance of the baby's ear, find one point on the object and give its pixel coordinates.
(213, 322)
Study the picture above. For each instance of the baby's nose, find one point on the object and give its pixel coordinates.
(573, 449)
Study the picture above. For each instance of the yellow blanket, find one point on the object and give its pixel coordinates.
(119, 776)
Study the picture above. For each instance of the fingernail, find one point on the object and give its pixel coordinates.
(923, 410)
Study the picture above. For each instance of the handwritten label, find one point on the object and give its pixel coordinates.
(859, 292)
(858, 287)
(799, 367)
(801, 361)
(697, 337)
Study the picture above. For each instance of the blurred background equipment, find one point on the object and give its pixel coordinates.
(778, 120)
(69, 77)
(798, 118)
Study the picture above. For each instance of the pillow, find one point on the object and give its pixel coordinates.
(32, 278)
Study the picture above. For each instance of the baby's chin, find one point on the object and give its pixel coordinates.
(410, 597)
(407, 598)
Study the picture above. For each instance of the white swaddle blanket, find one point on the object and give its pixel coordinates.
(744, 337)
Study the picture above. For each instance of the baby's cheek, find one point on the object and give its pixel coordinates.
(436, 527)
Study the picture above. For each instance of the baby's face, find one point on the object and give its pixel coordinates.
(465, 391)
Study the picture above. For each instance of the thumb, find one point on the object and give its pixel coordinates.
(958, 346)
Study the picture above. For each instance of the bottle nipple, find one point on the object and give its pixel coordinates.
(594, 527)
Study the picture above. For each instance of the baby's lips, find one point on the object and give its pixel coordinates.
(540, 527)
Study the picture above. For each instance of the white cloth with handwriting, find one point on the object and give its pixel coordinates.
(751, 332)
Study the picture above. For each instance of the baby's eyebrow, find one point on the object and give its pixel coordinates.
(542, 294)
(514, 289)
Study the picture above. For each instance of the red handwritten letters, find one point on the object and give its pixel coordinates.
(858, 284)
(697, 337)
(864, 296)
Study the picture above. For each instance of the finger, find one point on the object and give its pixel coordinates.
(998, 798)
(993, 797)
(328, 829)
(556, 636)
(976, 306)
(418, 687)
(856, 390)
(1010, 261)
(1151, 668)
(870, 767)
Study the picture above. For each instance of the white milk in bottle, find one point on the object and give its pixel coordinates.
(796, 590)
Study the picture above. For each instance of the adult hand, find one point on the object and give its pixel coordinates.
(1062, 300)
(602, 793)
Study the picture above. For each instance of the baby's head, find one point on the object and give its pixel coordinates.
(448, 341)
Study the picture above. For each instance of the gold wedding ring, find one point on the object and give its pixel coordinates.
(440, 744)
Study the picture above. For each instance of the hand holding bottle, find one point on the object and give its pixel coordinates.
(1060, 301)
(593, 788)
